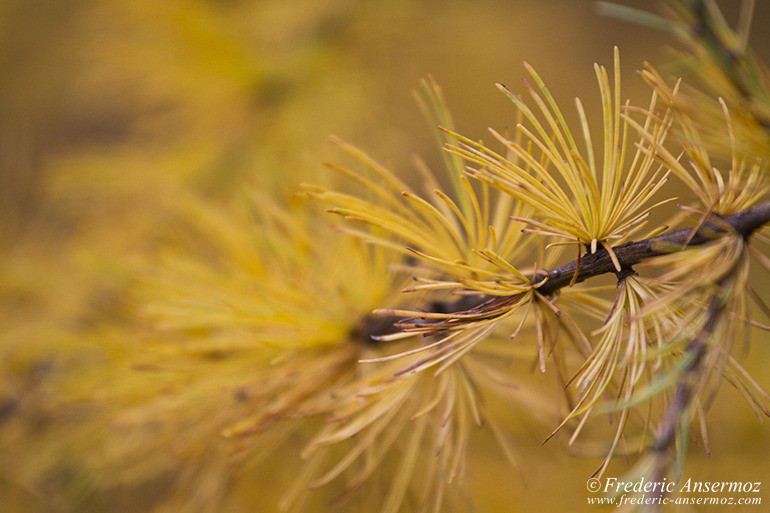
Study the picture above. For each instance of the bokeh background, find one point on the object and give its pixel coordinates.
(110, 109)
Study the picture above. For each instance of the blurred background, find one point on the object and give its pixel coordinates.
(109, 109)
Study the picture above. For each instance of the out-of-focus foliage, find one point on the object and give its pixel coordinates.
(117, 119)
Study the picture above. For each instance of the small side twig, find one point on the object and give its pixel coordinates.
(686, 390)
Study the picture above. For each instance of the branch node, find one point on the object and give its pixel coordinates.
(624, 273)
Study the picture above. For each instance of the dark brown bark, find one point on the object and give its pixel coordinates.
(742, 223)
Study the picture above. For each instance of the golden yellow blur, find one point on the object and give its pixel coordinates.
(118, 118)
